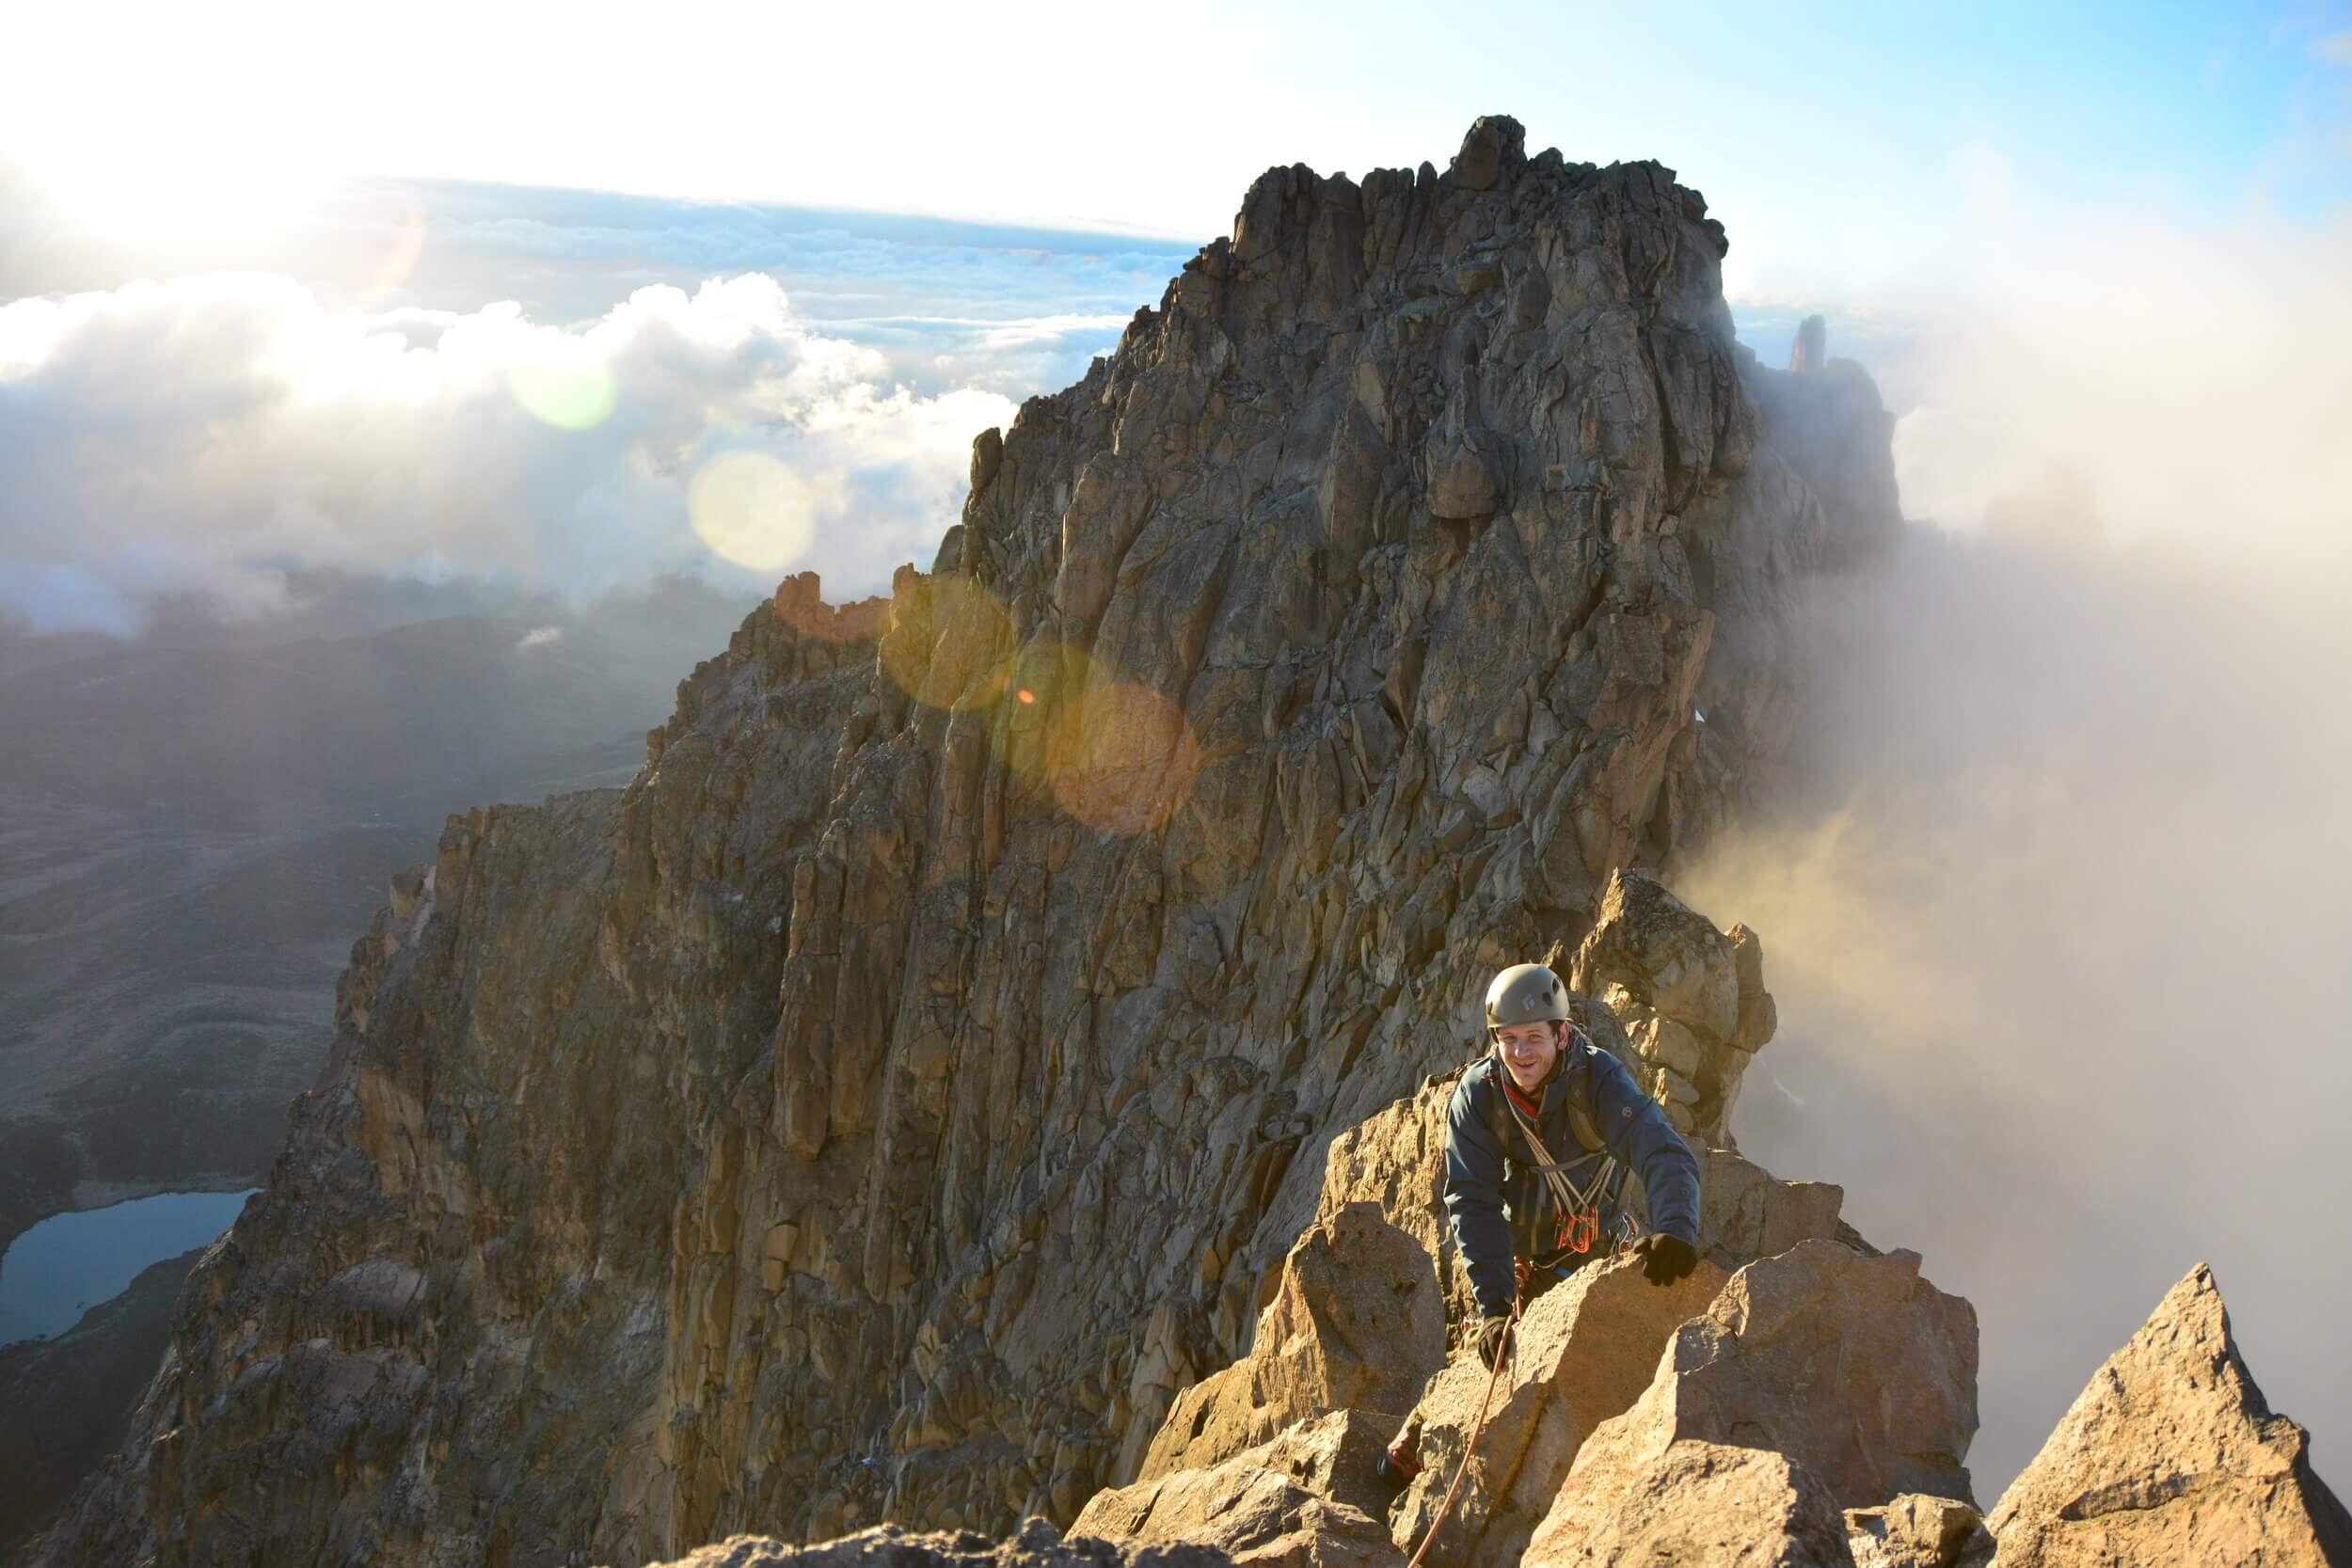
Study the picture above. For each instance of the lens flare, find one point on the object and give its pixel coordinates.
(752, 510)
(1113, 752)
(949, 643)
(132, 179)
(1120, 757)
(563, 384)
(1033, 690)
(399, 257)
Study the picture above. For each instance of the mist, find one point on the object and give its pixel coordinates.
(2053, 900)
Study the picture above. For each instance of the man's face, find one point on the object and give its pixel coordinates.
(1528, 1049)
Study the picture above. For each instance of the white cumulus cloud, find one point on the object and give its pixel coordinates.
(217, 434)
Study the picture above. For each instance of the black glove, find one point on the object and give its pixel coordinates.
(1491, 1337)
(1666, 1259)
(1398, 1467)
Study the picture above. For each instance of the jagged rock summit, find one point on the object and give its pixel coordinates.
(2171, 1454)
(1814, 1414)
(894, 1098)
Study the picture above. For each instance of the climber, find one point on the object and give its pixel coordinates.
(1539, 1137)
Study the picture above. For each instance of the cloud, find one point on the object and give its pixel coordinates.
(2054, 936)
(213, 434)
(1009, 308)
(538, 636)
(2191, 377)
(2050, 911)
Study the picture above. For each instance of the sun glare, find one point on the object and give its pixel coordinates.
(753, 510)
(157, 189)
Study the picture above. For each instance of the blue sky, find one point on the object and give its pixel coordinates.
(1055, 114)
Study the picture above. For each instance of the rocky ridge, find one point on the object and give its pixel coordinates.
(889, 1103)
(1815, 1411)
(1809, 1380)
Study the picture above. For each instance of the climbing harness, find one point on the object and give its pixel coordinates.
(1578, 1227)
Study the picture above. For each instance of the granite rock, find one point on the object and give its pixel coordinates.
(1724, 1505)
(2171, 1454)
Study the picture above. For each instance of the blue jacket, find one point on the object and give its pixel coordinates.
(1492, 1197)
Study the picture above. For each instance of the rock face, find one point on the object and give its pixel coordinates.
(1698, 1503)
(1355, 1325)
(1809, 350)
(1855, 1377)
(2172, 1455)
(1692, 999)
(1825, 415)
(918, 1074)
(1307, 1498)
(1586, 1350)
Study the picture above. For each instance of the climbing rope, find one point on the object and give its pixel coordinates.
(1502, 1360)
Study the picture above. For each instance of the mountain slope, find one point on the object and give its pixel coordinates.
(884, 1105)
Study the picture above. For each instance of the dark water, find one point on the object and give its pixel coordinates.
(68, 1264)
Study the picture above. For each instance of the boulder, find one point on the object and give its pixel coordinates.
(1855, 1366)
(1395, 1158)
(1746, 1212)
(1856, 1371)
(1585, 1351)
(1917, 1531)
(1355, 1324)
(1697, 1503)
(2172, 1455)
(1308, 1499)
(1666, 955)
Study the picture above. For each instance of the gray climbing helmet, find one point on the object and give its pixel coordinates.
(1525, 993)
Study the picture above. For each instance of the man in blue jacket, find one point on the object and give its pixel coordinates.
(1538, 1139)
